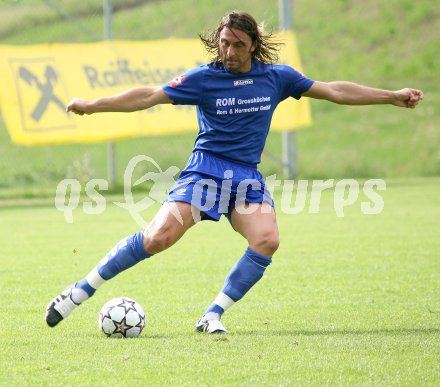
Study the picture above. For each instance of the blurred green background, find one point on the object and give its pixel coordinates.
(390, 44)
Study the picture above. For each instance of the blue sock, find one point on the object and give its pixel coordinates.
(245, 274)
(127, 253)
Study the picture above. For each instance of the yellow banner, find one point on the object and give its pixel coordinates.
(37, 82)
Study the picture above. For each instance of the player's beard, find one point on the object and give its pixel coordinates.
(235, 65)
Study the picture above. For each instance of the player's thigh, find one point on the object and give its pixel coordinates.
(168, 226)
(257, 223)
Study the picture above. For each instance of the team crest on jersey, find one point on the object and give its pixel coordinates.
(177, 81)
(244, 82)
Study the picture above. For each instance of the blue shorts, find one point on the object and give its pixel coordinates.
(215, 186)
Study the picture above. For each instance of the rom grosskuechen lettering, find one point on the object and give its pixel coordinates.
(38, 81)
(230, 102)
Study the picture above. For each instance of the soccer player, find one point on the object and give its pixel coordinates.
(235, 95)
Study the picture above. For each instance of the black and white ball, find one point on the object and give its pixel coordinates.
(121, 317)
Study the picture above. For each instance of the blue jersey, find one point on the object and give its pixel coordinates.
(234, 111)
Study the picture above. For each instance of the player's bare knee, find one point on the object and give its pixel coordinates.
(266, 244)
(157, 240)
(272, 244)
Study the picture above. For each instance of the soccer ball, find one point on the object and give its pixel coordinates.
(121, 317)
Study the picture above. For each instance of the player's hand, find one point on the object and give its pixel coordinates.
(408, 98)
(79, 106)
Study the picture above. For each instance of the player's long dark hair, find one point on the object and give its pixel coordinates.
(266, 50)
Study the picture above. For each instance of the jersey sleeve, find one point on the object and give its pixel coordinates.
(293, 83)
(186, 89)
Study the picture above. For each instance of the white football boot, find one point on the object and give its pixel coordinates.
(210, 323)
(61, 306)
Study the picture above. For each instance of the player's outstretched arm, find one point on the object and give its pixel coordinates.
(348, 93)
(138, 98)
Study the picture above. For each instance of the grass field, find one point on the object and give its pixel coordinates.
(347, 301)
